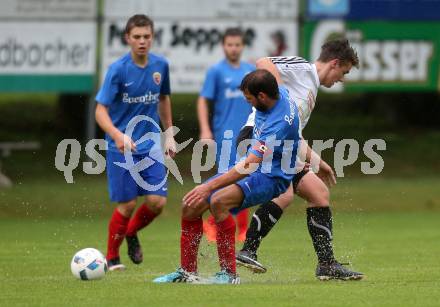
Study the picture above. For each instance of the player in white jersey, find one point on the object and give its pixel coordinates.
(302, 79)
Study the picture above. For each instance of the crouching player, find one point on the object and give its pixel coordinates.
(273, 153)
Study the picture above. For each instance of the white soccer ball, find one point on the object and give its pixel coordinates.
(88, 264)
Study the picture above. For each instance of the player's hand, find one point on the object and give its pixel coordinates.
(196, 196)
(170, 146)
(206, 137)
(124, 143)
(326, 174)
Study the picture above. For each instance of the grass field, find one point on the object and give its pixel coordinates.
(388, 228)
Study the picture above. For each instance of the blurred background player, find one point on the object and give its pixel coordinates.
(221, 95)
(302, 79)
(136, 84)
(243, 186)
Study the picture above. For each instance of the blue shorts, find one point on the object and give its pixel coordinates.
(258, 188)
(123, 187)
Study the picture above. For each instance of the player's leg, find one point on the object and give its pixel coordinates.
(155, 200)
(221, 202)
(144, 215)
(242, 220)
(123, 190)
(210, 229)
(191, 233)
(263, 220)
(319, 223)
(117, 228)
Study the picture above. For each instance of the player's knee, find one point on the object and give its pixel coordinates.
(157, 206)
(217, 203)
(127, 208)
(284, 202)
(323, 196)
(219, 213)
(189, 213)
(218, 207)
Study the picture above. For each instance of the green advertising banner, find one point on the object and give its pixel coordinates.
(394, 56)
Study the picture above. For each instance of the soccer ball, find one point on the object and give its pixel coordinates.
(88, 263)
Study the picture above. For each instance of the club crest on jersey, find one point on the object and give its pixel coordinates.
(157, 77)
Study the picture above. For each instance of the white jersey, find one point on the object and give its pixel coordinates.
(301, 80)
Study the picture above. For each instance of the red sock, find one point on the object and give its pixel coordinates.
(242, 220)
(192, 232)
(226, 244)
(116, 233)
(141, 218)
(211, 220)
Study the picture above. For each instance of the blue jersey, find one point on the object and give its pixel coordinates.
(129, 90)
(276, 137)
(230, 108)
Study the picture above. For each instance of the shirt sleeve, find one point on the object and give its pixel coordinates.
(274, 130)
(109, 88)
(209, 89)
(165, 88)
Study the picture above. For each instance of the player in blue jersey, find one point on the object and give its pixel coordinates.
(132, 100)
(221, 95)
(266, 172)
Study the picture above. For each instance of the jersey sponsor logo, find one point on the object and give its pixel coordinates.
(289, 118)
(229, 94)
(148, 98)
(228, 80)
(128, 84)
(157, 77)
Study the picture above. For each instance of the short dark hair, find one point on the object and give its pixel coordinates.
(139, 20)
(339, 49)
(233, 32)
(260, 80)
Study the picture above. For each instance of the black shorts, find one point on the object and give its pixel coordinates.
(297, 178)
(245, 134)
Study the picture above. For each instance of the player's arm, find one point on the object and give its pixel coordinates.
(203, 118)
(239, 171)
(166, 118)
(266, 63)
(122, 141)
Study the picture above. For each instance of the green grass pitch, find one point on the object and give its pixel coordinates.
(389, 229)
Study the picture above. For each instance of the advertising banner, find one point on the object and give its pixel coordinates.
(47, 45)
(192, 47)
(188, 33)
(415, 10)
(400, 56)
(47, 9)
(189, 9)
(39, 56)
